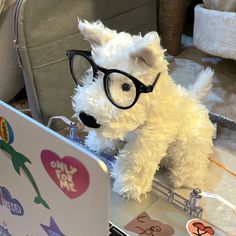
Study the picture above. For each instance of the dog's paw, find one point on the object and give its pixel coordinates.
(130, 190)
(98, 143)
(177, 182)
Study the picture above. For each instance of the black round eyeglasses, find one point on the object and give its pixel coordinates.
(121, 88)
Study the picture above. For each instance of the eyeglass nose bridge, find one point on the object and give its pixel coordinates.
(97, 68)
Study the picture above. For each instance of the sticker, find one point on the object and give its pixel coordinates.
(198, 227)
(68, 173)
(52, 229)
(143, 225)
(12, 204)
(4, 230)
(18, 159)
(6, 132)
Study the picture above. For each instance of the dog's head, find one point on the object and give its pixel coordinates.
(100, 102)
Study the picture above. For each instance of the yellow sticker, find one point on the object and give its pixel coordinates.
(6, 132)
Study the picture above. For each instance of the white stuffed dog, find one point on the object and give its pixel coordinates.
(128, 95)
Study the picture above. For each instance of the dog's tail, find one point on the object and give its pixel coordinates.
(203, 84)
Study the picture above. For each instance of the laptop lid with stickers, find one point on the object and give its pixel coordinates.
(48, 184)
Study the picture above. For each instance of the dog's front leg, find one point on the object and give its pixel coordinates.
(137, 163)
(97, 142)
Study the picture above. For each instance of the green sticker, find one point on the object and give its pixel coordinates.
(18, 160)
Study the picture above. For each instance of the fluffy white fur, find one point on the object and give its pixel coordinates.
(167, 127)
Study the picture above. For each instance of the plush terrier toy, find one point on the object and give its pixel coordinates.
(126, 94)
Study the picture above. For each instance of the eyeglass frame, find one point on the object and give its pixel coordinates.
(139, 86)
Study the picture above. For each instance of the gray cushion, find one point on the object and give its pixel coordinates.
(11, 79)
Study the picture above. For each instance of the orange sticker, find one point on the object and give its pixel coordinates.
(198, 227)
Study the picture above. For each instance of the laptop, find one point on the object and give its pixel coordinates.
(52, 186)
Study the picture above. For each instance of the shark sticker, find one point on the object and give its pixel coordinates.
(68, 173)
(18, 160)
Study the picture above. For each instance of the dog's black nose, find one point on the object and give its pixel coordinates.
(88, 120)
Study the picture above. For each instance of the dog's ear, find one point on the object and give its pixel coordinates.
(148, 49)
(95, 33)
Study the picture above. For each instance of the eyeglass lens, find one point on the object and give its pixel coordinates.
(81, 68)
(121, 89)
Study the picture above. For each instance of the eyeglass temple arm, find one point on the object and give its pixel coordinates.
(156, 79)
(151, 87)
(74, 52)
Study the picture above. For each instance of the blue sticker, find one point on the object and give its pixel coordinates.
(12, 204)
(52, 229)
(4, 231)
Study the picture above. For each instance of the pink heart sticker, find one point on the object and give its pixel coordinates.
(68, 173)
